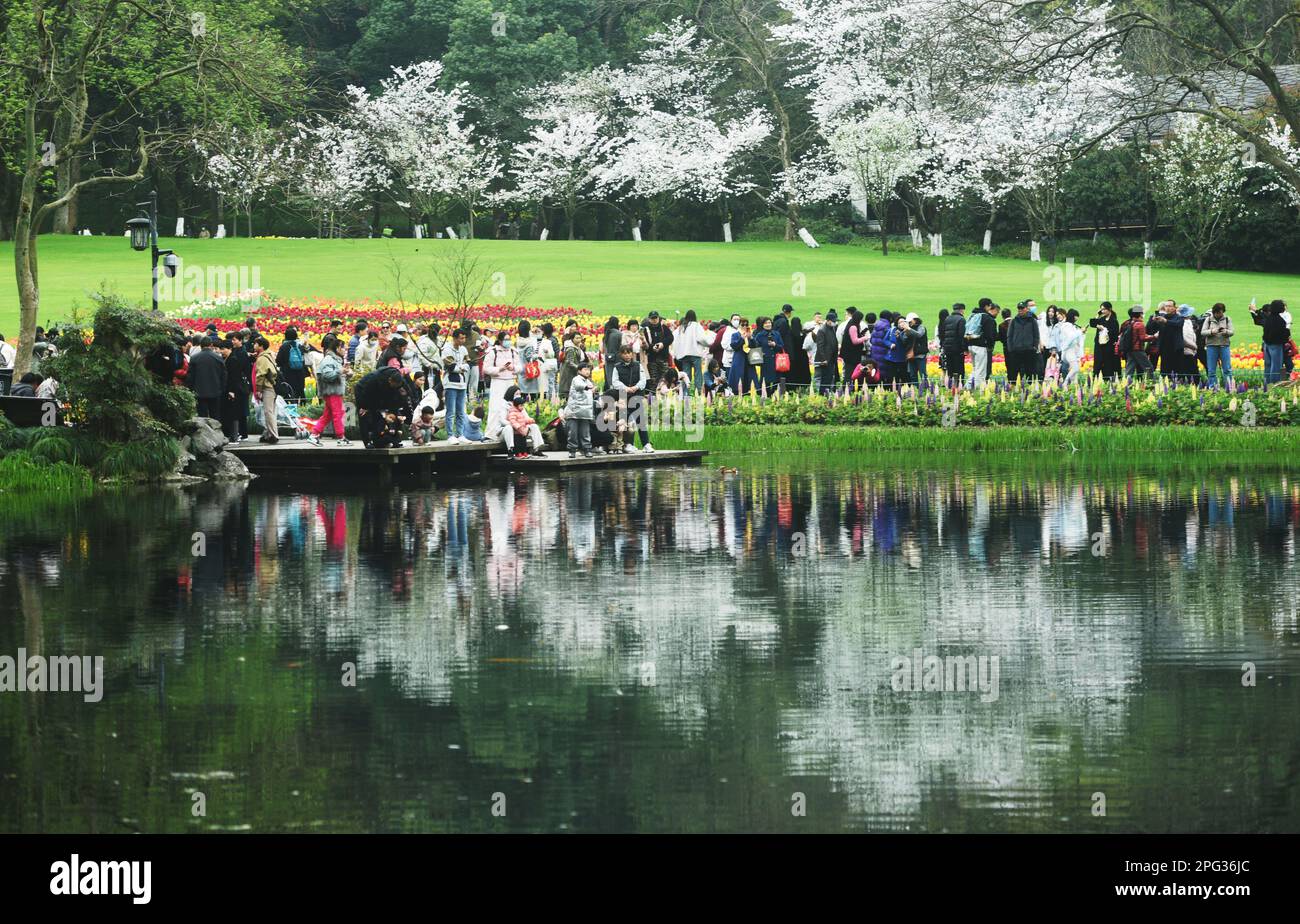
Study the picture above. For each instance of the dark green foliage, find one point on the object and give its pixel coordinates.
(112, 396)
(150, 458)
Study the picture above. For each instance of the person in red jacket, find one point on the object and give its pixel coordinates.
(1133, 338)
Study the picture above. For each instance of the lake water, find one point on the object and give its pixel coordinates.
(668, 650)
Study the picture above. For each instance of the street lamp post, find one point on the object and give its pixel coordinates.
(144, 235)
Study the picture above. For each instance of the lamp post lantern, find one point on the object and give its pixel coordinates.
(144, 235)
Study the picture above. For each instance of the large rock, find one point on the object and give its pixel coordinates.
(203, 436)
(202, 452)
(219, 466)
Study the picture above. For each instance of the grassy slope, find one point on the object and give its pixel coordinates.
(614, 276)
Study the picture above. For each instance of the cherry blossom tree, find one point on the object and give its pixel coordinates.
(419, 130)
(332, 168)
(242, 166)
(564, 158)
(1200, 180)
(678, 137)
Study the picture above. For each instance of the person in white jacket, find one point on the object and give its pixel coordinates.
(500, 365)
(691, 342)
(1066, 340)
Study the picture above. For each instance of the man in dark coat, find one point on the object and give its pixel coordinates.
(1022, 344)
(826, 353)
(379, 393)
(239, 385)
(207, 376)
(952, 343)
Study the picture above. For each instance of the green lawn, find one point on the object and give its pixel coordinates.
(620, 277)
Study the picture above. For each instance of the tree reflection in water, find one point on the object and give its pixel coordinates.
(665, 650)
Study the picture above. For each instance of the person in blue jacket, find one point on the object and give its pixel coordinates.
(898, 346)
(771, 343)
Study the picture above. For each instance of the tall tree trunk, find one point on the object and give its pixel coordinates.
(25, 274)
(67, 173)
(792, 219)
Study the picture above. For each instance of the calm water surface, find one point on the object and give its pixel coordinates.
(666, 650)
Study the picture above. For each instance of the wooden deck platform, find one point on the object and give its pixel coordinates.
(293, 458)
(560, 461)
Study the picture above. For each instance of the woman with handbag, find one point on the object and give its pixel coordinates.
(770, 346)
(530, 363)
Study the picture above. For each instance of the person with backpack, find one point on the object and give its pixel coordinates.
(952, 345)
(1132, 344)
(291, 359)
(330, 385)
(982, 335)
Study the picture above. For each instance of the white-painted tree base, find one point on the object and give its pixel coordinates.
(546, 232)
(726, 232)
(806, 236)
(451, 233)
(988, 240)
(221, 231)
(1035, 252)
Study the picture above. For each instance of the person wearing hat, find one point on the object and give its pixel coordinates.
(1132, 344)
(1023, 344)
(826, 353)
(580, 410)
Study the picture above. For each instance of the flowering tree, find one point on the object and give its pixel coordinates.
(1216, 59)
(873, 155)
(419, 131)
(332, 168)
(242, 166)
(677, 137)
(1200, 180)
(564, 158)
(896, 65)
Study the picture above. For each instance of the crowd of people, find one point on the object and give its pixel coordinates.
(477, 384)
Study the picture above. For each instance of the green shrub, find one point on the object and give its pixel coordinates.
(110, 392)
(144, 459)
(23, 471)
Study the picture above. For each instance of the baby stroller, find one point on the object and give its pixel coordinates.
(286, 415)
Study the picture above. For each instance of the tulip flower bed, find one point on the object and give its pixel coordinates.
(312, 317)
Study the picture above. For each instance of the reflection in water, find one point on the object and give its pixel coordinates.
(664, 650)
